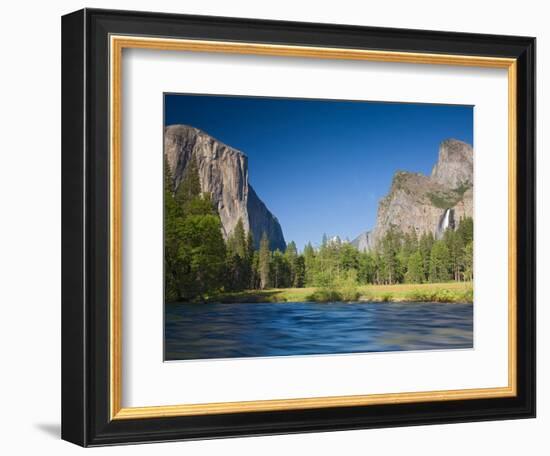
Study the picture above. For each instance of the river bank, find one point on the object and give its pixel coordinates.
(450, 292)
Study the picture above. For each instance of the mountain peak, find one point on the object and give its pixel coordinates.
(183, 131)
(455, 165)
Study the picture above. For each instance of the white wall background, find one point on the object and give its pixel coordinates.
(30, 226)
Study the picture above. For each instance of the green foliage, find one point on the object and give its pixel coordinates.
(366, 270)
(202, 250)
(466, 230)
(442, 295)
(448, 199)
(442, 200)
(341, 288)
(172, 217)
(349, 258)
(296, 264)
(462, 188)
(440, 262)
(190, 185)
(239, 259)
(455, 244)
(200, 205)
(195, 252)
(468, 260)
(325, 294)
(347, 285)
(279, 269)
(291, 250)
(468, 295)
(415, 273)
(291, 258)
(425, 248)
(299, 272)
(199, 264)
(237, 243)
(309, 264)
(168, 178)
(264, 257)
(254, 271)
(390, 262)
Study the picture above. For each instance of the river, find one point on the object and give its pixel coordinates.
(208, 331)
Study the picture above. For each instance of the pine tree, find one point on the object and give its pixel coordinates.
(168, 178)
(200, 205)
(299, 272)
(239, 258)
(254, 271)
(237, 242)
(466, 230)
(415, 268)
(348, 257)
(391, 266)
(264, 258)
(202, 249)
(279, 270)
(291, 255)
(366, 268)
(453, 241)
(310, 264)
(327, 263)
(195, 253)
(172, 218)
(468, 258)
(439, 262)
(190, 185)
(250, 245)
(377, 264)
(425, 248)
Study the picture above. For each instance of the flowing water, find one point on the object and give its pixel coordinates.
(206, 331)
(446, 221)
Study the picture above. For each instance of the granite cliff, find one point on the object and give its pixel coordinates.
(427, 203)
(223, 172)
(455, 166)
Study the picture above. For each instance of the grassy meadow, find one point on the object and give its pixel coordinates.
(449, 292)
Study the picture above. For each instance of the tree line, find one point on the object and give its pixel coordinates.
(198, 261)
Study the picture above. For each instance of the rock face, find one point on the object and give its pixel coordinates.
(261, 220)
(223, 172)
(425, 204)
(363, 242)
(455, 166)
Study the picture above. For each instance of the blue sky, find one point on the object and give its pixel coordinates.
(321, 166)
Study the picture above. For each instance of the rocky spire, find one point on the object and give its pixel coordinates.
(455, 166)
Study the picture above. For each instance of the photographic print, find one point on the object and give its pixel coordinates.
(315, 227)
(296, 200)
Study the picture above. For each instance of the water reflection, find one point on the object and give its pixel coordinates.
(206, 331)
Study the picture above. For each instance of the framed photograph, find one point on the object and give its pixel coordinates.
(276, 227)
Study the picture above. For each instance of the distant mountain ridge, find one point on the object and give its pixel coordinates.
(223, 173)
(421, 203)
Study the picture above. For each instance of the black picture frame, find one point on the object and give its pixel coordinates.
(85, 228)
